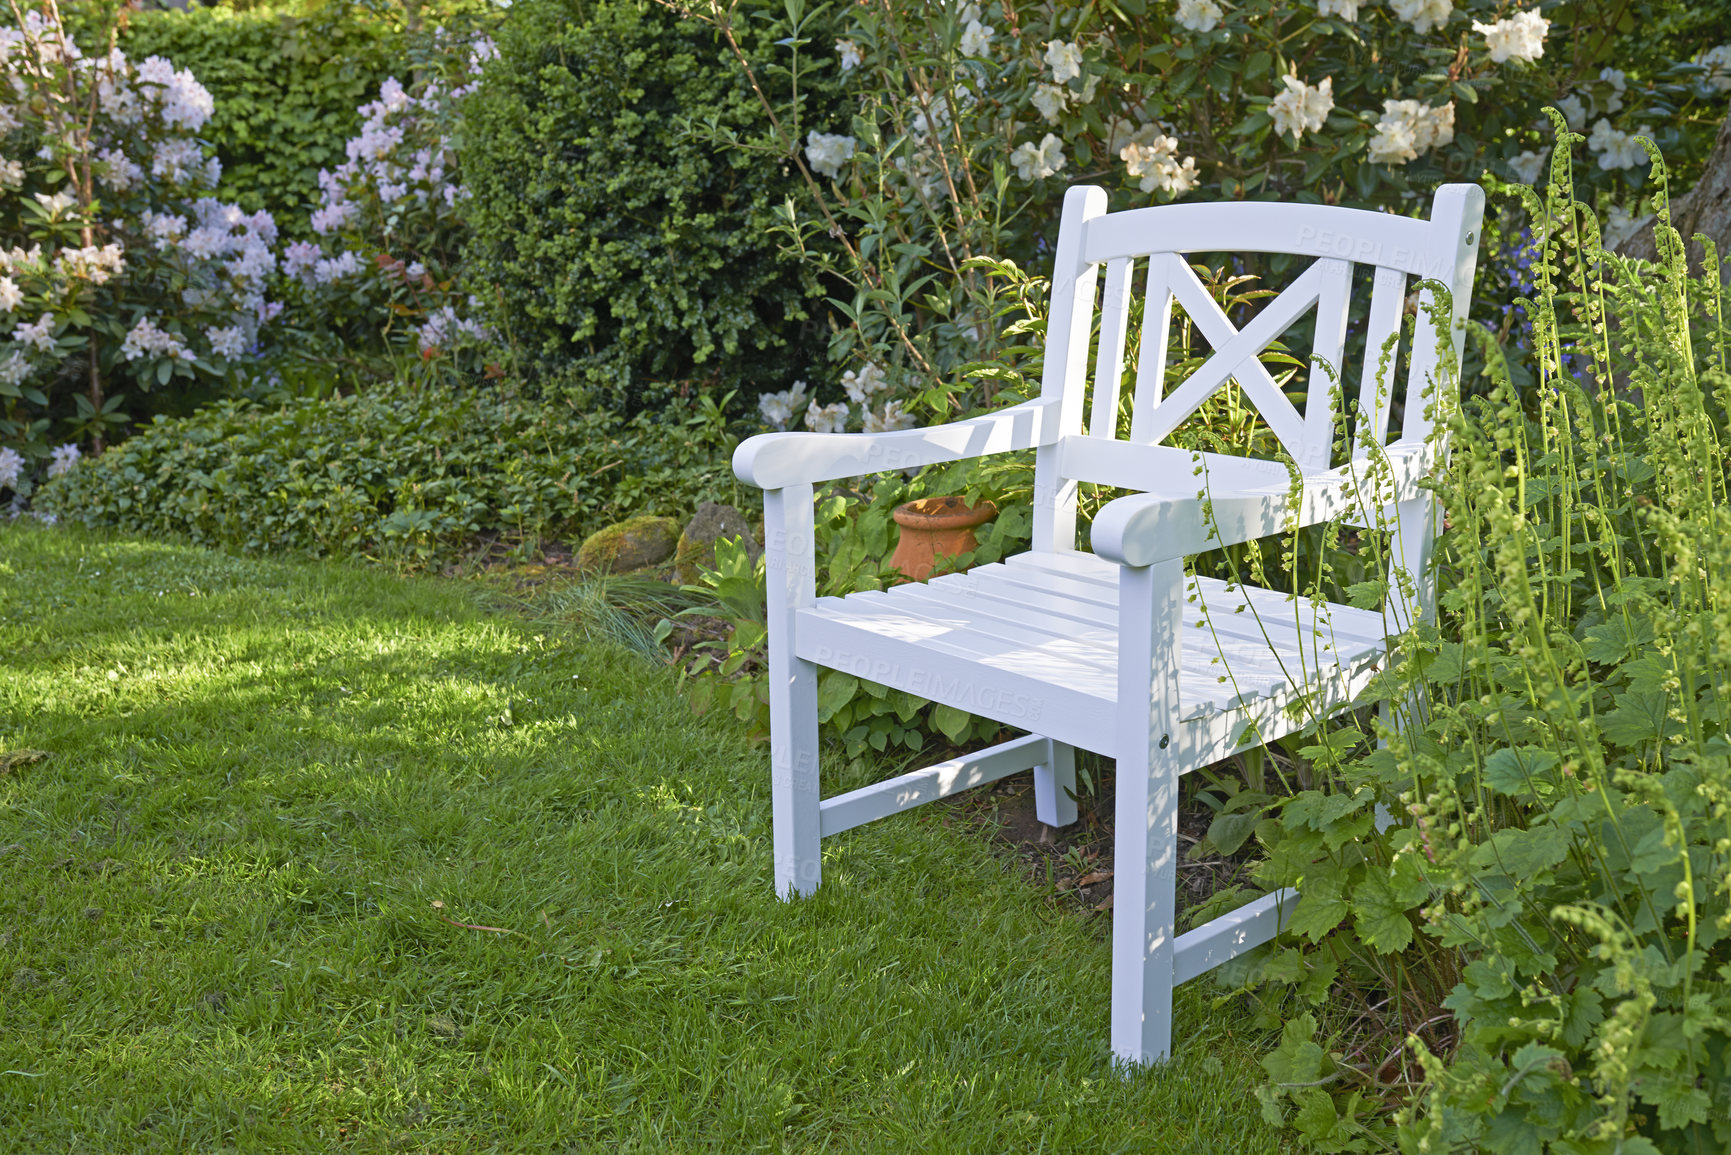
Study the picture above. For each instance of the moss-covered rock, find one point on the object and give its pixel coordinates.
(712, 522)
(634, 543)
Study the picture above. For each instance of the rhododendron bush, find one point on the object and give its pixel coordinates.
(120, 272)
(972, 119)
(381, 274)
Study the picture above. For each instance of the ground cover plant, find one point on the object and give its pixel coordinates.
(411, 476)
(309, 856)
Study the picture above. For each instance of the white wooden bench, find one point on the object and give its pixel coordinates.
(1091, 650)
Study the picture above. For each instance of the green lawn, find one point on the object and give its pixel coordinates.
(218, 927)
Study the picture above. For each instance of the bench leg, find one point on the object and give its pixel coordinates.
(1055, 785)
(793, 748)
(794, 791)
(1145, 844)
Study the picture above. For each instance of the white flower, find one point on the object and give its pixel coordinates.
(227, 342)
(1423, 15)
(1717, 62)
(1050, 101)
(1302, 107)
(1036, 162)
(891, 419)
(976, 39)
(851, 57)
(1408, 128)
(56, 204)
(1621, 225)
(11, 296)
(1064, 58)
(121, 172)
(1155, 162)
(98, 265)
(1616, 149)
(1347, 10)
(62, 459)
(11, 466)
(827, 152)
(146, 340)
(1530, 166)
(38, 335)
(14, 367)
(827, 418)
(1574, 112)
(1518, 37)
(778, 408)
(11, 174)
(862, 386)
(1198, 15)
(1619, 81)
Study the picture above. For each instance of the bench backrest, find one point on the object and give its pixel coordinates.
(1144, 251)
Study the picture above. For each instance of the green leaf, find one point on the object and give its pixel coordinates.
(1380, 917)
(1366, 595)
(1228, 832)
(1513, 771)
(834, 690)
(1639, 718)
(1522, 854)
(1320, 908)
(953, 723)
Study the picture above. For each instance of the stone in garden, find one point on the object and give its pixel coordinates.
(712, 522)
(635, 543)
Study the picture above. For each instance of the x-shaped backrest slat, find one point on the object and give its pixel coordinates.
(1237, 356)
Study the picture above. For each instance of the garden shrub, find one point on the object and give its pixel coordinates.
(615, 251)
(118, 267)
(287, 80)
(415, 476)
(1536, 955)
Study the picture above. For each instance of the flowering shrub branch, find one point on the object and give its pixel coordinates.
(116, 263)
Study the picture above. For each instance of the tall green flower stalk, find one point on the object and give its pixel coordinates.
(1538, 948)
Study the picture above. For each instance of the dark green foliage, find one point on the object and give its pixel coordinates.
(416, 476)
(614, 251)
(286, 86)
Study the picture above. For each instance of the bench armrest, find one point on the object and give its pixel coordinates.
(777, 460)
(1145, 528)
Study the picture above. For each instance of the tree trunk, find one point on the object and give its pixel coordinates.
(1706, 208)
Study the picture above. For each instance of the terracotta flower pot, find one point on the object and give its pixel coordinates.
(935, 527)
